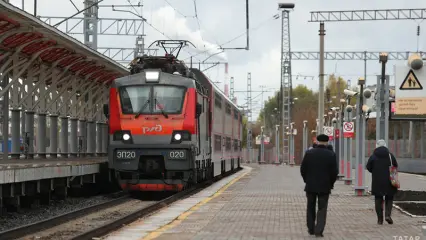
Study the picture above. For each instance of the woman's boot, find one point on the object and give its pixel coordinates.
(388, 210)
(378, 203)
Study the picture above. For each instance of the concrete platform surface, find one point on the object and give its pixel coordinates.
(145, 227)
(269, 203)
(22, 170)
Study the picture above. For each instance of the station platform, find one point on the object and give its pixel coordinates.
(22, 170)
(268, 202)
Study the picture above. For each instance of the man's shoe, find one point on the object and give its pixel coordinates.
(311, 232)
(380, 221)
(389, 220)
(319, 235)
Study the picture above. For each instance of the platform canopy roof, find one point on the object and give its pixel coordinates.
(23, 34)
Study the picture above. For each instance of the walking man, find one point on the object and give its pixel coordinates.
(319, 171)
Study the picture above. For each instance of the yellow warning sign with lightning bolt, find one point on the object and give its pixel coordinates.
(411, 82)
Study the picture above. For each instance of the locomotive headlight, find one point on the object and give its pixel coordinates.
(180, 135)
(177, 136)
(126, 137)
(152, 76)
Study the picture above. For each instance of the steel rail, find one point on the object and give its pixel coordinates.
(54, 221)
(113, 226)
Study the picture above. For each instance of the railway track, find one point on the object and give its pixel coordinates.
(98, 220)
(118, 197)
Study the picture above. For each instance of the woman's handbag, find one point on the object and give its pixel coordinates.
(393, 174)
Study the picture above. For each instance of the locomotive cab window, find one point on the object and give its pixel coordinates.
(168, 99)
(133, 98)
(156, 99)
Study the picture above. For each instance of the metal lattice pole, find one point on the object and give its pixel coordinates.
(285, 82)
(90, 27)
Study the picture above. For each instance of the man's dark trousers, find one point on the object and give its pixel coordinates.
(320, 216)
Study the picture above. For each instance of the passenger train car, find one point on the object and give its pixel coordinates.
(170, 127)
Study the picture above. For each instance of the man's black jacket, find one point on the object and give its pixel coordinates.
(319, 170)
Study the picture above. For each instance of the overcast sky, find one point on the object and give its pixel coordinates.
(223, 20)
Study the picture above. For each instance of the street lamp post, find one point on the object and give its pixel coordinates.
(341, 140)
(361, 110)
(317, 126)
(348, 149)
(305, 137)
(277, 144)
(262, 145)
(383, 102)
(292, 132)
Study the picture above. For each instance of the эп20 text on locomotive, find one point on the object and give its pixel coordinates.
(169, 126)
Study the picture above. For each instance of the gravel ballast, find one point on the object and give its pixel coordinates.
(12, 220)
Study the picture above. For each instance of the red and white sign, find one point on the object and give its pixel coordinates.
(329, 132)
(348, 129)
(336, 133)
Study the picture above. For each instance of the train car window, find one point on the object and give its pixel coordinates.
(228, 109)
(217, 100)
(217, 143)
(235, 114)
(168, 99)
(235, 145)
(133, 98)
(228, 144)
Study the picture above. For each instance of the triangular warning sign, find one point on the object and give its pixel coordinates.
(411, 82)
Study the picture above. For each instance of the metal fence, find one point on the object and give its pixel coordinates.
(270, 155)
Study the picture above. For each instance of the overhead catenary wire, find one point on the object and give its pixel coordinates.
(159, 31)
(237, 37)
(198, 20)
(131, 4)
(177, 11)
(74, 5)
(195, 16)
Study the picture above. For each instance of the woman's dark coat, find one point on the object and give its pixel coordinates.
(378, 164)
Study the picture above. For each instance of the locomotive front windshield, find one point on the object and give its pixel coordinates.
(158, 99)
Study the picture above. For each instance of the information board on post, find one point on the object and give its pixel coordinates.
(410, 96)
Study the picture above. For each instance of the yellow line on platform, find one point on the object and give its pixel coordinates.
(186, 214)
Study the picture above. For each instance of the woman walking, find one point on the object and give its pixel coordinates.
(378, 165)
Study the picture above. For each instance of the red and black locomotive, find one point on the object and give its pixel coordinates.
(169, 126)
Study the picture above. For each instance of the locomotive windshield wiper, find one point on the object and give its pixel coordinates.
(161, 108)
(142, 108)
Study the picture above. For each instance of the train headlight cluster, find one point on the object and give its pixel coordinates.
(177, 137)
(152, 76)
(123, 135)
(126, 137)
